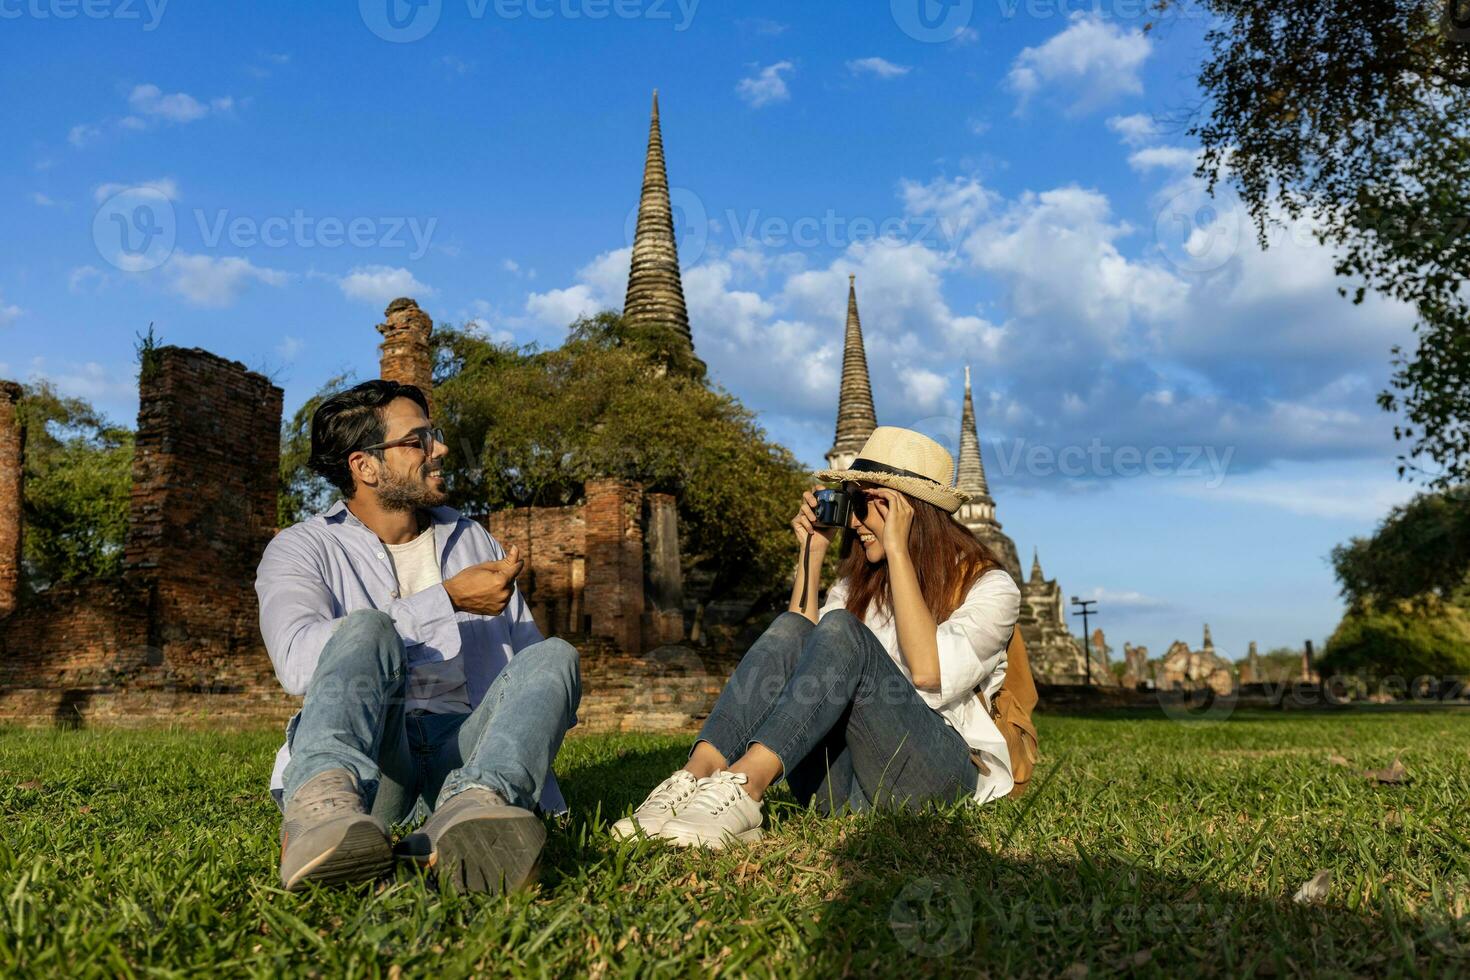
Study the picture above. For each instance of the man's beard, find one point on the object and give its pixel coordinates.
(405, 493)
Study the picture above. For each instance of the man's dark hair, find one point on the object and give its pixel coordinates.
(350, 420)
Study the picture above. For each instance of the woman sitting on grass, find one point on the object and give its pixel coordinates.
(872, 700)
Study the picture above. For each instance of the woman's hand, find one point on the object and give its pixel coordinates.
(898, 518)
(804, 527)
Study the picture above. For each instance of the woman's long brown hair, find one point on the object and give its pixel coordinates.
(947, 558)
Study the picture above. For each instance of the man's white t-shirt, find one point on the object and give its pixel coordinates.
(437, 686)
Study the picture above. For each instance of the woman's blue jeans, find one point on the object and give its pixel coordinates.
(847, 725)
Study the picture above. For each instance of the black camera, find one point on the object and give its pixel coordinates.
(834, 507)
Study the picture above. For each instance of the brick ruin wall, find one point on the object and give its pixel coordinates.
(176, 639)
(203, 508)
(12, 461)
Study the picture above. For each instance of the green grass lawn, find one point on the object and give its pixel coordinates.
(1146, 846)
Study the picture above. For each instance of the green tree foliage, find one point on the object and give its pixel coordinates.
(1355, 116)
(1407, 590)
(1422, 547)
(78, 478)
(530, 427)
(303, 493)
(1407, 639)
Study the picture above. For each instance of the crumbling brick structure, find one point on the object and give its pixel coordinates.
(404, 355)
(12, 464)
(205, 486)
(183, 616)
(586, 572)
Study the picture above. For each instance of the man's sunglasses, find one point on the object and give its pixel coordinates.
(425, 438)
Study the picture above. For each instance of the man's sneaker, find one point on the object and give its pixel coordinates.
(661, 804)
(478, 842)
(719, 811)
(327, 836)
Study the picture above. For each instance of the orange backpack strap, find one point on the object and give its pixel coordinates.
(1011, 712)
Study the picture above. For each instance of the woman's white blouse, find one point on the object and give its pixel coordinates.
(972, 652)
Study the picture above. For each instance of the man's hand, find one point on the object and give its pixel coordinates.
(486, 588)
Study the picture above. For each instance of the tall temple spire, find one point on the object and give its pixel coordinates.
(979, 511)
(1036, 575)
(655, 290)
(856, 419)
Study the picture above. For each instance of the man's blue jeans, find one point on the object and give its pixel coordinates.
(847, 725)
(354, 718)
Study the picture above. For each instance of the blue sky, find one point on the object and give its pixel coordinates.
(1182, 423)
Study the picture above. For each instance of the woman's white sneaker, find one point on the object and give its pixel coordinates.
(653, 812)
(719, 811)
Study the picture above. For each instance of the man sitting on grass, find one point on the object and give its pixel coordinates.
(425, 676)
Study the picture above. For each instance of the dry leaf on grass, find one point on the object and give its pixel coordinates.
(1077, 971)
(1394, 775)
(29, 784)
(1314, 890)
(1338, 760)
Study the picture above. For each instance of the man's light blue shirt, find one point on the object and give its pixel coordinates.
(313, 574)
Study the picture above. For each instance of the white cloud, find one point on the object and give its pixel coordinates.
(215, 282)
(42, 200)
(601, 286)
(83, 134)
(97, 383)
(381, 284)
(1124, 597)
(1089, 64)
(166, 186)
(880, 67)
(1163, 158)
(83, 275)
(1310, 490)
(289, 347)
(9, 313)
(1134, 130)
(766, 86)
(179, 107)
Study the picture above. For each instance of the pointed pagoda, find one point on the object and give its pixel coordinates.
(655, 296)
(856, 419)
(978, 513)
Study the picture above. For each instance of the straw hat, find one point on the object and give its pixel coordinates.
(907, 461)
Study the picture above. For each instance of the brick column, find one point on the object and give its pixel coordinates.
(665, 576)
(613, 596)
(205, 482)
(12, 470)
(405, 354)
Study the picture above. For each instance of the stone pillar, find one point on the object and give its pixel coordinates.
(613, 596)
(406, 356)
(205, 483)
(665, 575)
(1252, 672)
(12, 477)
